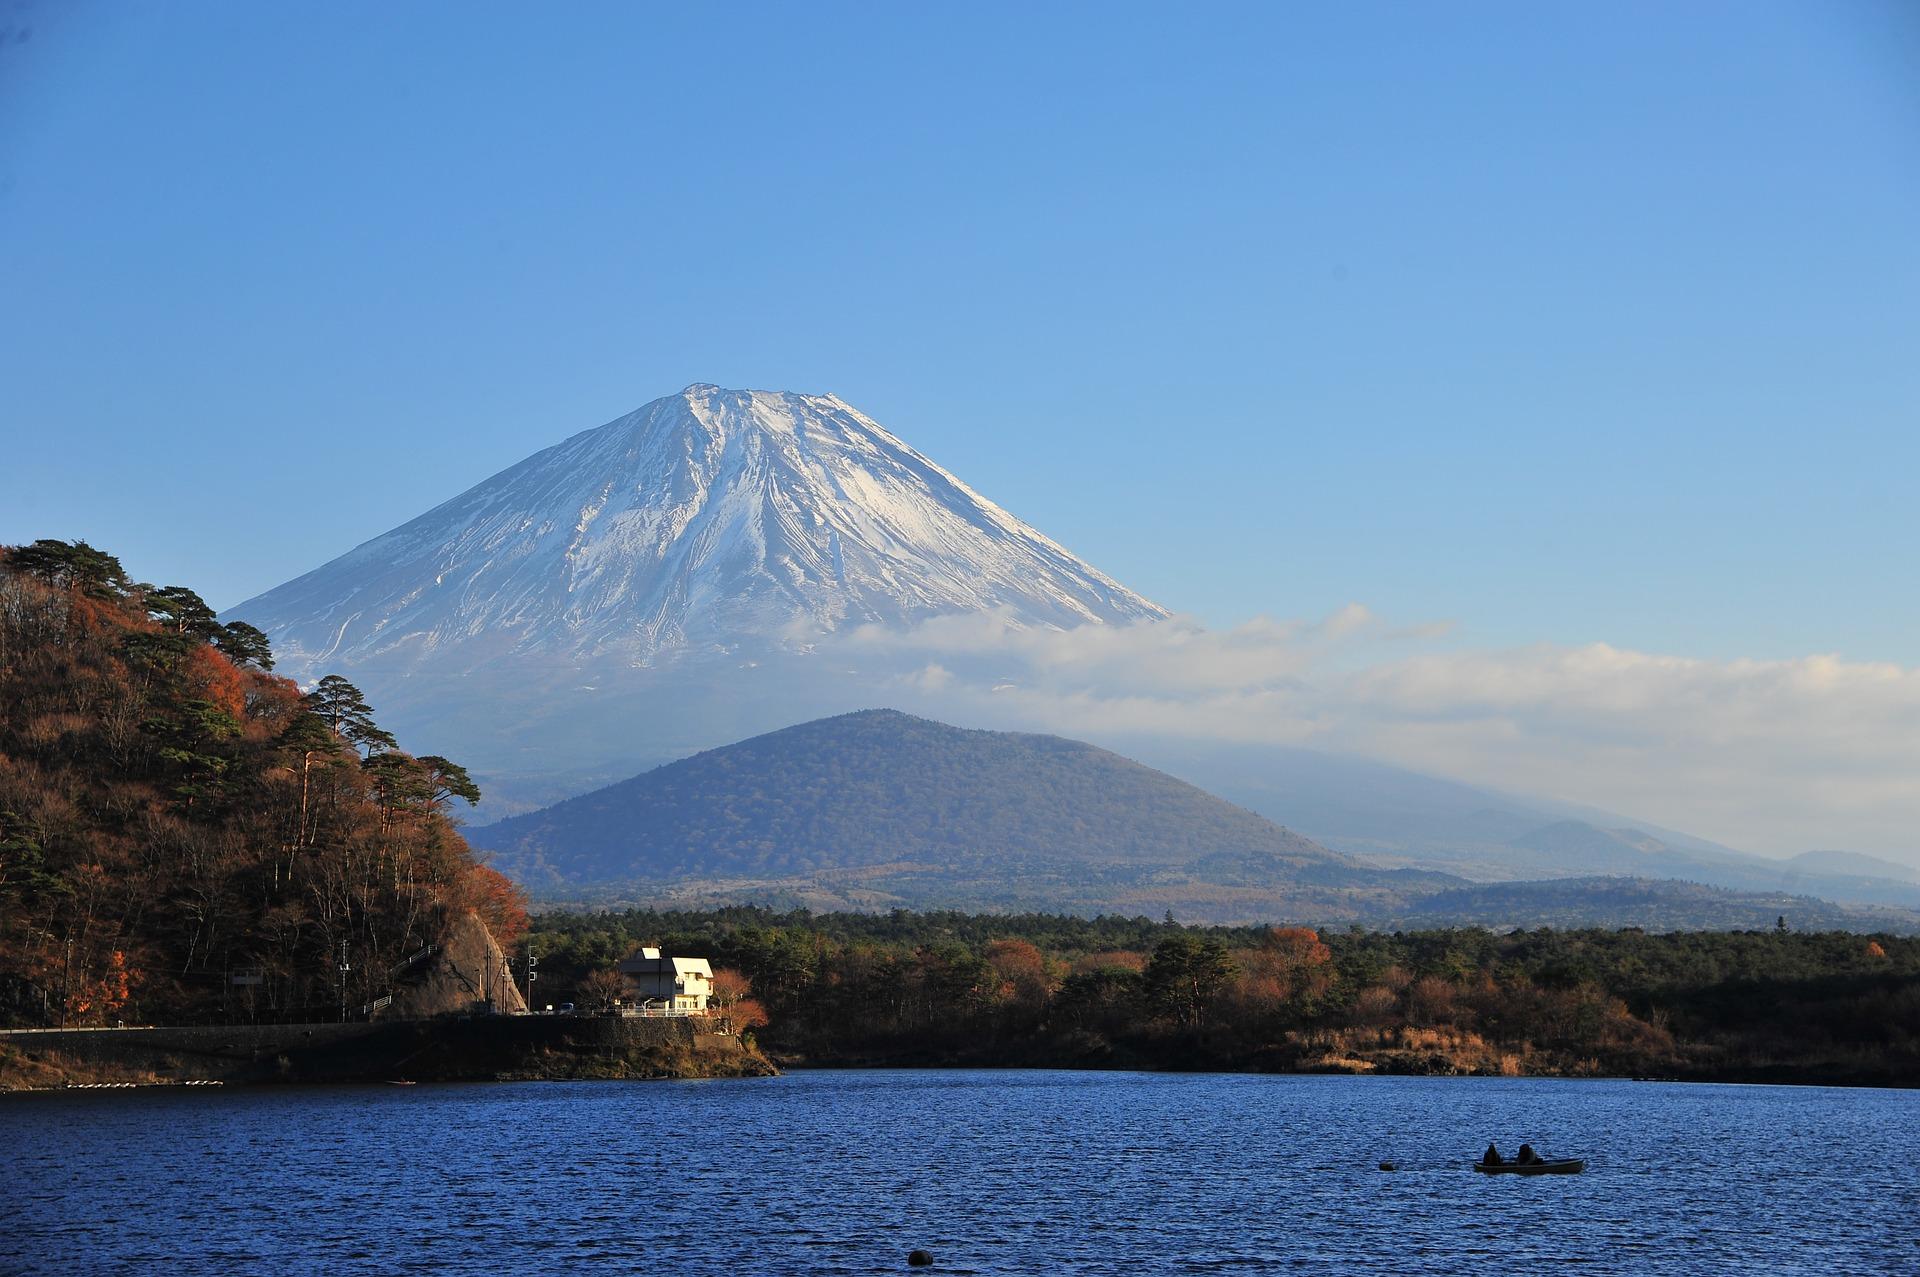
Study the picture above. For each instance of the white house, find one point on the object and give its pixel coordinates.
(668, 986)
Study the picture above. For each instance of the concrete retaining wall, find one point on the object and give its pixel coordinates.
(477, 1049)
(212, 1052)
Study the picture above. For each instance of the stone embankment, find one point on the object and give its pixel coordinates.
(481, 1048)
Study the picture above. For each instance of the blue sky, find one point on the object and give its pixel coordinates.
(1568, 324)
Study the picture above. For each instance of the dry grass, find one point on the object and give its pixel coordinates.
(49, 1070)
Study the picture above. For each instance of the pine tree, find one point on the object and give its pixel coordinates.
(72, 565)
(449, 781)
(183, 612)
(244, 644)
(344, 709)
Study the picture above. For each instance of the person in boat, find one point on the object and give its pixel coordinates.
(1493, 1157)
(1527, 1156)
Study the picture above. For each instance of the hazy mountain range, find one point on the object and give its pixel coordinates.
(698, 572)
(882, 810)
(1393, 816)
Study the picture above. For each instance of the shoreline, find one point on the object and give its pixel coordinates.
(1751, 1077)
(68, 1088)
(574, 1057)
(489, 1049)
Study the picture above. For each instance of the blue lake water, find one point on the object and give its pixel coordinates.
(994, 1172)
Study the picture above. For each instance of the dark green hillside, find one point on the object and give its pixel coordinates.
(1654, 904)
(884, 788)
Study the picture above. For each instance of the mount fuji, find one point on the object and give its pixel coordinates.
(718, 564)
(657, 585)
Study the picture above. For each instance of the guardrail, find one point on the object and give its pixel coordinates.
(210, 1026)
(408, 961)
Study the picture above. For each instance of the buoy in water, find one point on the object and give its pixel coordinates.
(919, 1259)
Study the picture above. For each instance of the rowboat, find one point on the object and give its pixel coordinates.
(1547, 1166)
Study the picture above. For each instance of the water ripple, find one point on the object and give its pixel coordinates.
(995, 1172)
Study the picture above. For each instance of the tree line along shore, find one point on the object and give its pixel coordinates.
(1047, 990)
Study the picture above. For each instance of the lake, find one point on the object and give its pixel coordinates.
(994, 1172)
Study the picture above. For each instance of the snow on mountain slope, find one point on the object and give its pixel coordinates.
(712, 520)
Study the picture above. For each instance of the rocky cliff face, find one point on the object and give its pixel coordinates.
(468, 971)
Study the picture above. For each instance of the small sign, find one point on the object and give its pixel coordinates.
(249, 976)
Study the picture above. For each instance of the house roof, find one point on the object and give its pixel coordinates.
(650, 962)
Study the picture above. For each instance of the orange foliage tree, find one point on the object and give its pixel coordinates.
(500, 902)
(177, 823)
(731, 1006)
(1026, 979)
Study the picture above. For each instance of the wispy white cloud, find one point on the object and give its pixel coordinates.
(1774, 756)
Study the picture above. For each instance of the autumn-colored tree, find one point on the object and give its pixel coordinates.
(500, 902)
(1026, 981)
(171, 814)
(1374, 1006)
(1300, 947)
(1430, 1001)
(97, 994)
(731, 1006)
(1286, 974)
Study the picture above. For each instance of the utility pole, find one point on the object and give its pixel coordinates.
(532, 974)
(345, 967)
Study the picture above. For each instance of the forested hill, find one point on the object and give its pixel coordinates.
(884, 788)
(184, 835)
(880, 810)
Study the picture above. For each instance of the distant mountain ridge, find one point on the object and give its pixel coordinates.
(1392, 816)
(879, 809)
(1854, 864)
(879, 787)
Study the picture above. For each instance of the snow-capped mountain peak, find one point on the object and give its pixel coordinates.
(708, 520)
